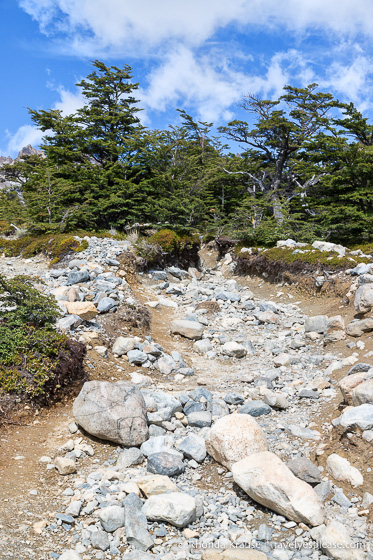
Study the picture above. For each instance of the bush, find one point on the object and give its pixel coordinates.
(166, 246)
(35, 360)
(53, 246)
(6, 228)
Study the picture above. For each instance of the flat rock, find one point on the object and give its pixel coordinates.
(193, 447)
(255, 408)
(86, 310)
(111, 517)
(364, 298)
(112, 411)
(153, 485)
(358, 328)
(233, 349)
(268, 481)
(136, 525)
(304, 469)
(64, 465)
(122, 345)
(317, 324)
(129, 458)
(176, 508)
(363, 393)
(234, 437)
(165, 464)
(189, 329)
(335, 540)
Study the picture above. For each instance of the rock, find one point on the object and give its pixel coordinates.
(189, 329)
(176, 508)
(235, 553)
(303, 433)
(255, 408)
(228, 296)
(367, 500)
(111, 517)
(234, 350)
(267, 317)
(86, 310)
(76, 277)
(166, 365)
(335, 540)
(159, 444)
(153, 485)
(364, 298)
(122, 345)
(360, 367)
(317, 324)
(100, 540)
(112, 411)
(326, 246)
(363, 393)
(234, 437)
(304, 469)
(335, 329)
(136, 526)
(342, 470)
(358, 328)
(101, 350)
(165, 464)
(69, 322)
(267, 480)
(200, 419)
(74, 508)
(193, 447)
(324, 490)
(202, 346)
(282, 359)
(219, 408)
(70, 555)
(105, 304)
(349, 383)
(65, 466)
(357, 417)
(137, 357)
(234, 398)
(129, 458)
(177, 272)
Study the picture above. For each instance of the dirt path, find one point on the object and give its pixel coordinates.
(21, 447)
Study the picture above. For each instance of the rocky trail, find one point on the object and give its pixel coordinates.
(239, 425)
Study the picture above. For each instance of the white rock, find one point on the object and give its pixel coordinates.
(335, 540)
(202, 346)
(176, 508)
(234, 350)
(363, 393)
(357, 416)
(268, 481)
(65, 466)
(364, 298)
(341, 469)
(70, 555)
(122, 345)
(234, 437)
(188, 329)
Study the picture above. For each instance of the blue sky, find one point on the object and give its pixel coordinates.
(198, 55)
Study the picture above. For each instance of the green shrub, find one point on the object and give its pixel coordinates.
(53, 246)
(35, 360)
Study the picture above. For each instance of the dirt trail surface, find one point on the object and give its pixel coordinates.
(33, 491)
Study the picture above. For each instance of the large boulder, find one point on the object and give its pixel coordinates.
(234, 437)
(112, 411)
(268, 481)
(363, 393)
(350, 383)
(86, 310)
(176, 508)
(188, 329)
(356, 417)
(364, 298)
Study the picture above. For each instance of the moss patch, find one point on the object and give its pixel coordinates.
(53, 246)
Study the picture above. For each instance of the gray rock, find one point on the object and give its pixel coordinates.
(357, 417)
(158, 274)
(324, 490)
(234, 398)
(303, 433)
(318, 324)
(130, 458)
(105, 304)
(137, 357)
(228, 296)
(341, 499)
(76, 277)
(122, 345)
(100, 540)
(112, 411)
(136, 526)
(166, 364)
(160, 444)
(200, 419)
(359, 368)
(304, 469)
(255, 408)
(69, 322)
(200, 393)
(166, 464)
(111, 517)
(189, 329)
(202, 346)
(193, 447)
(177, 272)
(219, 408)
(358, 328)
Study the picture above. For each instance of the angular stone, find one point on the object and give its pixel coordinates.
(112, 411)
(111, 517)
(335, 329)
(304, 469)
(234, 398)
(76, 277)
(137, 357)
(317, 324)
(357, 417)
(202, 346)
(255, 408)
(364, 298)
(100, 540)
(86, 310)
(342, 470)
(335, 540)
(122, 345)
(166, 364)
(234, 437)
(189, 329)
(65, 466)
(105, 304)
(129, 458)
(69, 322)
(165, 464)
(176, 508)
(200, 419)
(193, 447)
(136, 525)
(70, 555)
(153, 485)
(268, 481)
(363, 393)
(358, 328)
(350, 383)
(160, 444)
(234, 350)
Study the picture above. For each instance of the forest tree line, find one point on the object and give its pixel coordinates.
(304, 168)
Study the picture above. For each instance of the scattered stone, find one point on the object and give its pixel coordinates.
(304, 469)
(165, 464)
(341, 469)
(176, 508)
(188, 329)
(65, 466)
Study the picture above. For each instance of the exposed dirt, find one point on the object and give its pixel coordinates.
(40, 433)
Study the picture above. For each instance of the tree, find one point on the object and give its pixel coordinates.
(278, 135)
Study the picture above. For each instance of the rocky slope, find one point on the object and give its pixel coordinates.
(240, 427)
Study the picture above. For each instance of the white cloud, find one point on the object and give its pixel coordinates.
(96, 25)
(26, 134)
